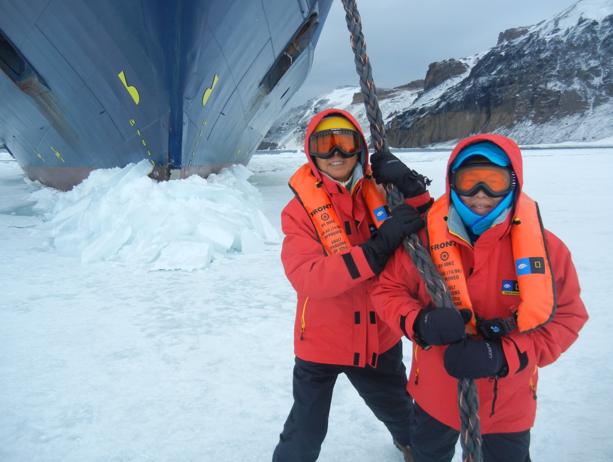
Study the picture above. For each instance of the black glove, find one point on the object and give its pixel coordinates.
(440, 326)
(475, 359)
(388, 169)
(403, 220)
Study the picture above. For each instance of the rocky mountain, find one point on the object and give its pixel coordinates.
(547, 83)
(289, 129)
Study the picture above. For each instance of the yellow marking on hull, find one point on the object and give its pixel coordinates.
(208, 91)
(57, 154)
(39, 156)
(132, 90)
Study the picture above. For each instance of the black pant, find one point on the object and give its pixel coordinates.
(433, 441)
(383, 389)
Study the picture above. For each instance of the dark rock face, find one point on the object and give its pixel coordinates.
(442, 71)
(265, 146)
(414, 85)
(382, 94)
(536, 76)
(512, 34)
(358, 98)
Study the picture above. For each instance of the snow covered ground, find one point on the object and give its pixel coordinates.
(103, 358)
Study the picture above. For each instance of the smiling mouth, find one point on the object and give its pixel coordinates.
(481, 208)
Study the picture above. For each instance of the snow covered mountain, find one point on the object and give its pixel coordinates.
(547, 83)
(289, 129)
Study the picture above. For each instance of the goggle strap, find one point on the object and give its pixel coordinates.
(335, 149)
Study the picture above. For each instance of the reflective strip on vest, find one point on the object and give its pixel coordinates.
(319, 207)
(532, 265)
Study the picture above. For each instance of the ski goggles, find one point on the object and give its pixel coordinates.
(326, 143)
(494, 180)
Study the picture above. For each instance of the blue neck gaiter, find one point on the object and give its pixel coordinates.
(477, 224)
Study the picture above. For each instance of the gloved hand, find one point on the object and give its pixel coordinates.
(440, 326)
(475, 359)
(403, 220)
(388, 169)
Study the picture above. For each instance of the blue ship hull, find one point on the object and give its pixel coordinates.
(191, 85)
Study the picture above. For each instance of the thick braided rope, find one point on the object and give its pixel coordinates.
(468, 402)
(362, 66)
(470, 427)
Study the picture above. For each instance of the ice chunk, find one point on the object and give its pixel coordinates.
(250, 243)
(123, 215)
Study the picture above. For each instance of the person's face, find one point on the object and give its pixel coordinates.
(481, 203)
(336, 166)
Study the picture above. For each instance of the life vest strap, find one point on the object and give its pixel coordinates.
(492, 329)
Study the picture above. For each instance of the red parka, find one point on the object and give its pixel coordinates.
(336, 322)
(401, 292)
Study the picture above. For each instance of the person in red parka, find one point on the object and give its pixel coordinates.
(337, 239)
(518, 300)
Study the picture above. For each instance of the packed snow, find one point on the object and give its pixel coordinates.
(146, 321)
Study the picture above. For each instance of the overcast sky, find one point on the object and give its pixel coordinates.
(404, 36)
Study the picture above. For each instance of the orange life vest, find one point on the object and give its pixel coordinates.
(317, 204)
(532, 265)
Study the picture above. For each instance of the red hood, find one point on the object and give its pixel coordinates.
(508, 146)
(363, 158)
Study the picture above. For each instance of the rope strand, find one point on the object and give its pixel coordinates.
(468, 401)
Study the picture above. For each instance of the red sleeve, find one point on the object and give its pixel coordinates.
(545, 345)
(311, 272)
(396, 293)
(421, 202)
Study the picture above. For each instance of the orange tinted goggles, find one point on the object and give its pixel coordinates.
(324, 144)
(494, 180)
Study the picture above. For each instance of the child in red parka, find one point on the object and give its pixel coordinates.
(336, 242)
(517, 295)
